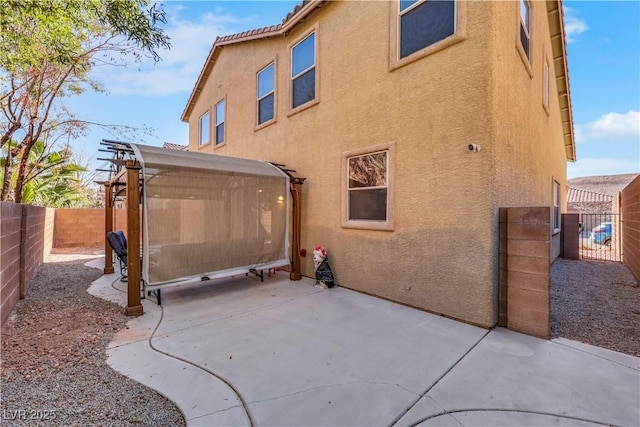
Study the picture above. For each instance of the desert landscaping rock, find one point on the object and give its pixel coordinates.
(597, 303)
(54, 369)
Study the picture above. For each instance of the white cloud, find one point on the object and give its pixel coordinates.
(191, 41)
(598, 166)
(610, 126)
(573, 25)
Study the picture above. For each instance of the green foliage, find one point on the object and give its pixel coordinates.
(53, 179)
(57, 31)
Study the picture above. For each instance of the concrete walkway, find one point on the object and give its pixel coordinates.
(281, 353)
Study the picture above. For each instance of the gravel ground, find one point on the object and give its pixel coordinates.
(597, 303)
(53, 361)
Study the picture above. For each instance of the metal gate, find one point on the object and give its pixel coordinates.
(600, 237)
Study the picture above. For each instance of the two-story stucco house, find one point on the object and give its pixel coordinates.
(413, 122)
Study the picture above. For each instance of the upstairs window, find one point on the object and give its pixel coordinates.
(424, 23)
(303, 71)
(219, 110)
(525, 27)
(266, 94)
(205, 121)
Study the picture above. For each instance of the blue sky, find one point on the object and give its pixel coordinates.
(604, 70)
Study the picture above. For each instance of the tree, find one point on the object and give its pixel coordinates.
(47, 48)
(53, 178)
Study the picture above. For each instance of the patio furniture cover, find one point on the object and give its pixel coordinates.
(207, 216)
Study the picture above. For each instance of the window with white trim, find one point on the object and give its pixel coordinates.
(423, 23)
(303, 71)
(545, 84)
(525, 26)
(556, 205)
(204, 128)
(219, 113)
(367, 187)
(266, 93)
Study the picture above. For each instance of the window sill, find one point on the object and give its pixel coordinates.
(524, 58)
(394, 63)
(265, 124)
(215, 147)
(369, 225)
(303, 107)
(206, 144)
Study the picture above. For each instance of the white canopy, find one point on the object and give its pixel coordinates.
(210, 216)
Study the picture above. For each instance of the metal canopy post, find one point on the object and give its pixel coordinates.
(108, 227)
(134, 306)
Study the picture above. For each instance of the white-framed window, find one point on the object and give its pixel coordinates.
(556, 205)
(368, 188)
(525, 27)
(303, 71)
(204, 128)
(545, 84)
(266, 94)
(219, 117)
(422, 23)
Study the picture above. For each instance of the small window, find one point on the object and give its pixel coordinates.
(219, 110)
(424, 23)
(545, 85)
(205, 121)
(525, 26)
(367, 187)
(556, 205)
(303, 71)
(367, 192)
(266, 94)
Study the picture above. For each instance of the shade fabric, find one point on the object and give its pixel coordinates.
(210, 216)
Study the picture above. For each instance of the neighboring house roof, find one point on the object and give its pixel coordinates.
(579, 195)
(558, 46)
(171, 146)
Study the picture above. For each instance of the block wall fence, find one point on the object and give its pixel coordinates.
(29, 233)
(630, 210)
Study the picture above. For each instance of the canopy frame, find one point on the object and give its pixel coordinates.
(126, 168)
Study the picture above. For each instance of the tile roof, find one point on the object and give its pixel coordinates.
(579, 195)
(178, 147)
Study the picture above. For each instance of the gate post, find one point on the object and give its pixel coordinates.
(570, 236)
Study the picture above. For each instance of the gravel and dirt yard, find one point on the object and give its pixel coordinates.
(53, 345)
(53, 360)
(597, 303)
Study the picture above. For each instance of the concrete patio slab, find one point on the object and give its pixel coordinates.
(299, 355)
(514, 379)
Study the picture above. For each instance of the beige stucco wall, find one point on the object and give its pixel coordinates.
(442, 255)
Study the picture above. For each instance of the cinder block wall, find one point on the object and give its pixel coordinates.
(630, 209)
(84, 227)
(528, 269)
(26, 241)
(10, 227)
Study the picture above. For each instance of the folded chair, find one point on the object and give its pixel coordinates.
(118, 243)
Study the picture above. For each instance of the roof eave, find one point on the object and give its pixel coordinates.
(559, 52)
(275, 30)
